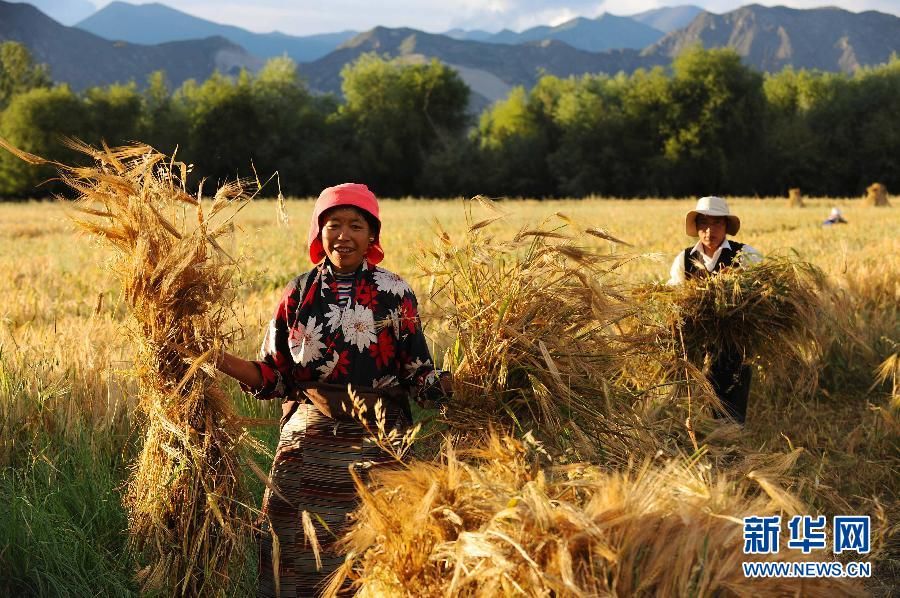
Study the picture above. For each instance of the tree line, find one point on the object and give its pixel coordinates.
(707, 124)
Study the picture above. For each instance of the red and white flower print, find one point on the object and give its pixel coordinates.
(358, 326)
(375, 340)
(390, 282)
(365, 294)
(334, 316)
(305, 341)
(413, 366)
(268, 345)
(336, 365)
(385, 382)
(394, 320)
(408, 316)
(383, 349)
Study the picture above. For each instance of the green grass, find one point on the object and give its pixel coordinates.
(63, 529)
(62, 524)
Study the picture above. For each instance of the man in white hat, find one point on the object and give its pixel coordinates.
(712, 222)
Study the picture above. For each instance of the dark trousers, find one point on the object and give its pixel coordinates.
(731, 380)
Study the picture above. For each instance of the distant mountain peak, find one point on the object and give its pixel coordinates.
(602, 33)
(668, 18)
(489, 69)
(772, 38)
(155, 23)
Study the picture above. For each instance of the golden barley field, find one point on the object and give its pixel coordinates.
(68, 434)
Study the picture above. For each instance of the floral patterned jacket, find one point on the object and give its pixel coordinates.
(376, 340)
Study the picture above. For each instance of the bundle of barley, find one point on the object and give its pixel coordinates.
(535, 345)
(876, 196)
(185, 496)
(506, 522)
(767, 312)
(795, 200)
(663, 373)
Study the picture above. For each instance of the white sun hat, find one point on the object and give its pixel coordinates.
(835, 213)
(711, 206)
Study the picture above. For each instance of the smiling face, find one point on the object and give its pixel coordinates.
(711, 230)
(346, 236)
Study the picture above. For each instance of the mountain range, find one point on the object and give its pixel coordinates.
(155, 36)
(83, 59)
(489, 69)
(157, 23)
(768, 39)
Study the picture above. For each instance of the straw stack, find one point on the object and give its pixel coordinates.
(876, 196)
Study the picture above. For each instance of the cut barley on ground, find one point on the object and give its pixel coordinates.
(504, 520)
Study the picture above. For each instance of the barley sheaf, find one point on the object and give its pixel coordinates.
(185, 499)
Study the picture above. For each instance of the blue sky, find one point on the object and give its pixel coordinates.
(301, 17)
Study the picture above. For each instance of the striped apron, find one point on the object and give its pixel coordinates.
(311, 472)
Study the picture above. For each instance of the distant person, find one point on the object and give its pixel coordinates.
(712, 222)
(834, 218)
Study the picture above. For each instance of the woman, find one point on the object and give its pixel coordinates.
(346, 321)
(711, 221)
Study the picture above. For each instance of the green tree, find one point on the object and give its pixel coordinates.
(37, 121)
(794, 152)
(252, 126)
(878, 138)
(609, 138)
(831, 134)
(398, 114)
(224, 126)
(164, 124)
(115, 114)
(298, 144)
(515, 139)
(712, 134)
(18, 73)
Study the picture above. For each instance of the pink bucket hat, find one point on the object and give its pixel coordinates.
(346, 194)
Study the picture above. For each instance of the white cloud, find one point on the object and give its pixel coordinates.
(632, 7)
(561, 16)
(552, 17)
(521, 14)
